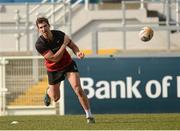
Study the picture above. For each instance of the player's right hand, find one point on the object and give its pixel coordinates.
(80, 55)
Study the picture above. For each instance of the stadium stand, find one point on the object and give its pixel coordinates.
(32, 96)
(20, 78)
(99, 15)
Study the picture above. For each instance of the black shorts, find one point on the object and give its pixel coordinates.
(58, 76)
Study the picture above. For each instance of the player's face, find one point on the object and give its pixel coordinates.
(44, 28)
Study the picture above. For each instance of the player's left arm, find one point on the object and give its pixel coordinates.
(76, 50)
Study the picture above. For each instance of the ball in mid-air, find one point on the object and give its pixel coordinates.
(146, 34)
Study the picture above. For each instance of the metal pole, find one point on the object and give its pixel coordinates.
(3, 89)
(177, 13)
(35, 62)
(167, 23)
(64, 18)
(62, 100)
(4, 62)
(35, 70)
(164, 6)
(94, 43)
(142, 4)
(167, 12)
(27, 27)
(18, 35)
(53, 13)
(69, 19)
(86, 5)
(124, 24)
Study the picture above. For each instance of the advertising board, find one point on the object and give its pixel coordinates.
(127, 85)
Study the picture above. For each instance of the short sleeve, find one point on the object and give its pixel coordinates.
(41, 47)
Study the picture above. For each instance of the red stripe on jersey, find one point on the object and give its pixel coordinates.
(64, 62)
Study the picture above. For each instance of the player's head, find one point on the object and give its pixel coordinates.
(43, 26)
(41, 20)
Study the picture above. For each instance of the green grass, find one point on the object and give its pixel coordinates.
(103, 122)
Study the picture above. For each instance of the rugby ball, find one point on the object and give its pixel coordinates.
(146, 34)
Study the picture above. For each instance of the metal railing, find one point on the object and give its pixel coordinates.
(169, 25)
(24, 24)
(58, 11)
(96, 32)
(18, 76)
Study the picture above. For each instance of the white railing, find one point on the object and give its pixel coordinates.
(53, 10)
(3, 88)
(18, 75)
(167, 44)
(24, 25)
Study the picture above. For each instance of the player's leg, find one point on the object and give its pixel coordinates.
(52, 93)
(74, 80)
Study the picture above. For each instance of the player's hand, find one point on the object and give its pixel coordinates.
(80, 55)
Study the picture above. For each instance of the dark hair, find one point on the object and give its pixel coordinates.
(41, 20)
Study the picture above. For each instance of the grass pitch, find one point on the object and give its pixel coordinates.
(103, 122)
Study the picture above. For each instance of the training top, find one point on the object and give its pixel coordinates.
(43, 46)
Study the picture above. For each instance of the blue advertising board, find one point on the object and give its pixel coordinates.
(127, 85)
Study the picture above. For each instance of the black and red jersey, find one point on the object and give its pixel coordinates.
(43, 46)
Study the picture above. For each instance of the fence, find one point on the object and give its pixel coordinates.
(23, 82)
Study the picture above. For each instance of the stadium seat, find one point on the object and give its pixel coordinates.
(102, 51)
(32, 96)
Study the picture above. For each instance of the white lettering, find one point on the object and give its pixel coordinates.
(132, 88)
(165, 85)
(157, 87)
(128, 89)
(87, 84)
(178, 86)
(103, 91)
(114, 85)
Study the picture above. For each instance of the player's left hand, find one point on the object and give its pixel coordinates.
(80, 55)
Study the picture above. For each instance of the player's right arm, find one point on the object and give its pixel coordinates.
(55, 57)
(58, 55)
(49, 55)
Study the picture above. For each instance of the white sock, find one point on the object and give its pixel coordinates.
(48, 90)
(88, 113)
